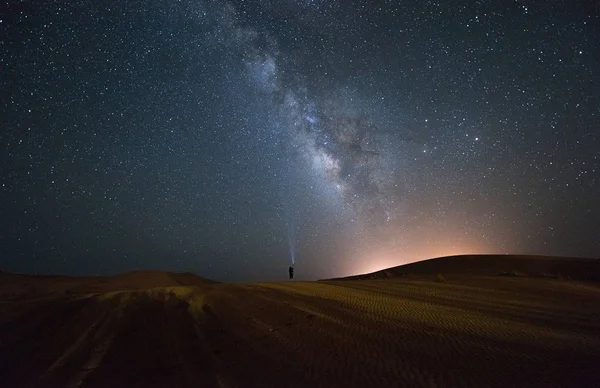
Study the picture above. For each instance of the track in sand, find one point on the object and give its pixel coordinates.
(158, 329)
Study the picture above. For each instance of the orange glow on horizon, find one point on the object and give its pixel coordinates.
(381, 259)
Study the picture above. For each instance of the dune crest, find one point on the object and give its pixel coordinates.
(495, 265)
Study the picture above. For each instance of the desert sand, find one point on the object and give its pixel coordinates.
(470, 321)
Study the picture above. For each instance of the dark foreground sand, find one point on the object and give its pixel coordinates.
(154, 329)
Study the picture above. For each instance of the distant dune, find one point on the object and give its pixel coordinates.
(19, 284)
(468, 327)
(496, 265)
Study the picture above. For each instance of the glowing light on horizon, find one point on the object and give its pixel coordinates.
(381, 259)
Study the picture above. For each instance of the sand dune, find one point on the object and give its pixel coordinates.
(495, 265)
(17, 285)
(156, 329)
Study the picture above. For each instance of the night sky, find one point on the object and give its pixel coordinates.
(225, 138)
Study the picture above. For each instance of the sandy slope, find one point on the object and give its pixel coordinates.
(492, 265)
(470, 331)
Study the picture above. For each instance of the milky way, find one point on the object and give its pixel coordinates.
(216, 137)
(339, 142)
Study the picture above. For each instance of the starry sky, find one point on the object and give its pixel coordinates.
(229, 138)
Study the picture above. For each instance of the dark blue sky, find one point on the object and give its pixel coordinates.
(210, 136)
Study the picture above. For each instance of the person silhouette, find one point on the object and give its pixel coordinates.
(291, 270)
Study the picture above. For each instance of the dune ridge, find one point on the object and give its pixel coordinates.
(582, 269)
